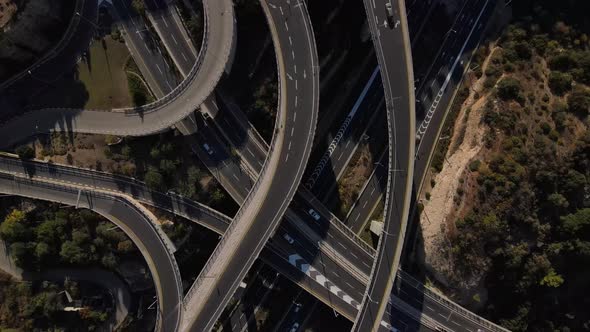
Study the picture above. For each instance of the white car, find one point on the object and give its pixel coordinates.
(314, 214)
(288, 238)
(294, 327)
(208, 149)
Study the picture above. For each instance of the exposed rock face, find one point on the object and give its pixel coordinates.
(36, 27)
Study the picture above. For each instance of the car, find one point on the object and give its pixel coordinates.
(208, 149)
(314, 214)
(389, 14)
(298, 306)
(288, 238)
(295, 327)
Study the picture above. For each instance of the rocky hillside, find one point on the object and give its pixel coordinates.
(513, 238)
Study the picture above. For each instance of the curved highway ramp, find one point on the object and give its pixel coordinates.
(283, 169)
(135, 221)
(152, 118)
(392, 45)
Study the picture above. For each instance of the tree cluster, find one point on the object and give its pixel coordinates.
(529, 228)
(59, 237)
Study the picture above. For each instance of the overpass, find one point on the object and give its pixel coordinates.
(392, 45)
(328, 278)
(152, 118)
(132, 218)
(263, 208)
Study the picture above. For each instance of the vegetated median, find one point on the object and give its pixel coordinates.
(43, 237)
(511, 200)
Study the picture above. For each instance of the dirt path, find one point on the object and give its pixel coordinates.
(439, 211)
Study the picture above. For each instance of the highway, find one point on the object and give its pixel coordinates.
(433, 76)
(152, 118)
(15, 91)
(158, 73)
(316, 271)
(168, 25)
(134, 221)
(393, 49)
(303, 211)
(266, 203)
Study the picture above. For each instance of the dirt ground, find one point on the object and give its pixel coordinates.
(103, 74)
(354, 177)
(7, 10)
(80, 150)
(445, 199)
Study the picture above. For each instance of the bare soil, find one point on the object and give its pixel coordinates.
(450, 194)
(355, 176)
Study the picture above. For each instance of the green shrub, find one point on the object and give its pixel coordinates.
(25, 152)
(559, 82)
(509, 88)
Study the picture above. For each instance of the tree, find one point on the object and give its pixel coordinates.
(154, 180)
(22, 253)
(109, 261)
(52, 232)
(73, 254)
(125, 246)
(564, 61)
(552, 279)
(558, 201)
(25, 152)
(559, 82)
(139, 6)
(579, 102)
(13, 228)
(43, 251)
(126, 151)
(80, 236)
(168, 167)
(508, 88)
(577, 223)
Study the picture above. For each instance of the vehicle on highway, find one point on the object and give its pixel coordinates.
(314, 214)
(288, 238)
(294, 327)
(208, 149)
(389, 14)
(298, 306)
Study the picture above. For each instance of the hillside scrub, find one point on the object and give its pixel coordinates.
(527, 231)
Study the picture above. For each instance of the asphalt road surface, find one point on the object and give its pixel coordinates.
(132, 221)
(297, 59)
(392, 45)
(168, 25)
(149, 119)
(158, 73)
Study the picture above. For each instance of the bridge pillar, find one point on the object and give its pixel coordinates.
(188, 125)
(209, 107)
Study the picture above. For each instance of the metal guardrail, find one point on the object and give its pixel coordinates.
(69, 33)
(261, 175)
(94, 193)
(89, 173)
(449, 304)
(170, 97)
(391, 157)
